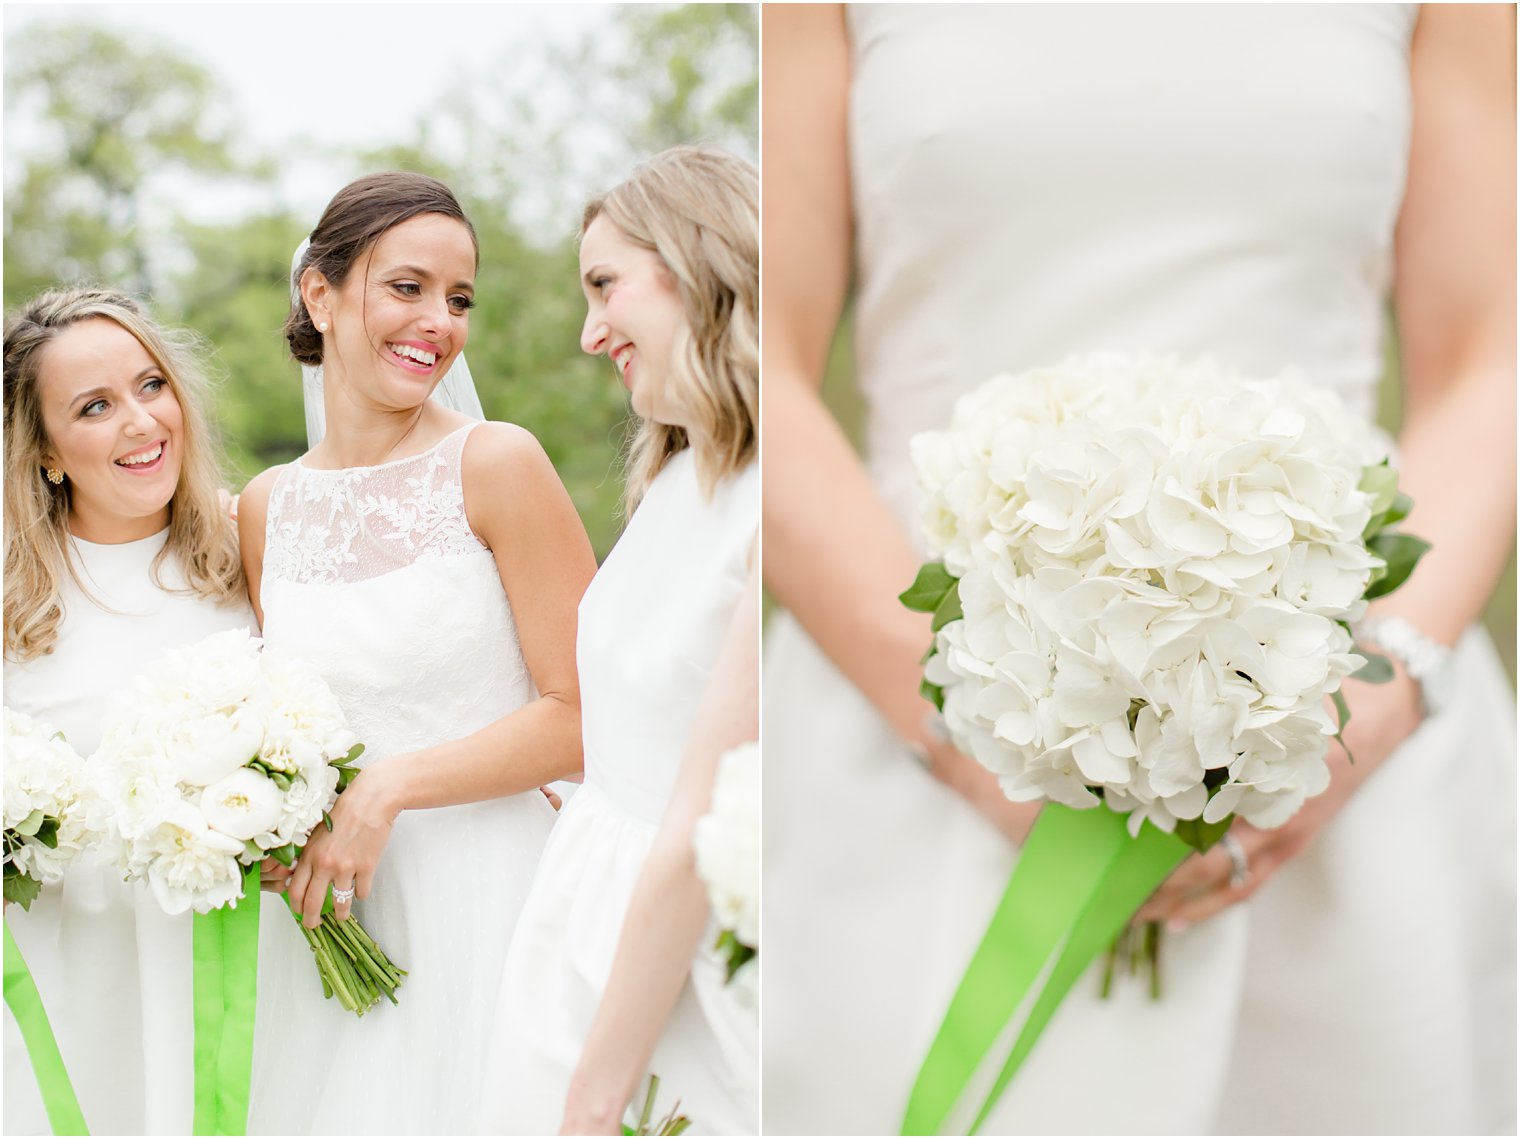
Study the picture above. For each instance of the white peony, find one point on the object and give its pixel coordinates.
(727, 843)
(242, 805)
(189, 865)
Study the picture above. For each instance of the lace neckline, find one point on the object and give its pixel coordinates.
(301, 462)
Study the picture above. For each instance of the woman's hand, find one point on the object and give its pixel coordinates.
(345, 857)
(274, 875)
(1382, 716)
(580, 1120)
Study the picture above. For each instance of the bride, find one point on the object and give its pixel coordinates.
(429, 565)
(1016, 183)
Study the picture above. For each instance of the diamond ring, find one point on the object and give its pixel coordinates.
(341, 896)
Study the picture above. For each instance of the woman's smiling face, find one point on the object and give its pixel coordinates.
(114, 427)
(402, 315)
(633, 316)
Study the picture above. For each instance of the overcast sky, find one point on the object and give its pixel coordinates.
(343, 75)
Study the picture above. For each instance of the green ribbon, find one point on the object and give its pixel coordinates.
(226, 950)
(1080, 877)
(47, 1062)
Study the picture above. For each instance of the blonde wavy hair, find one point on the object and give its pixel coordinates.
(201, 536)
(698, 209)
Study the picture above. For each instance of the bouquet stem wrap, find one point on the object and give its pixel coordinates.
(25, 1003)
(226, 946)
(1079, 879)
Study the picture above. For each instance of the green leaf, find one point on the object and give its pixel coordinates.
(280, 780)
(949, 609)
(1382, 482)
(346, 775)
(932, 693)
(326, 818)
(1401, 552)
(354, 753)
(29, 825)
(1377, 670)
(284, 855)
(928, 588)
(22, 890)
(47, 833)
(1343, 716)
(1201, 835)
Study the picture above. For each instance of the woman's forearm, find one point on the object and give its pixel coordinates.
(837, 557)
(661, 934)
(534, 745)
(1457, 462)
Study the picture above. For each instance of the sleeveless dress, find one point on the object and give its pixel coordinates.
(374, 576)
(113, 969)
(651, 625)
(1032, 181)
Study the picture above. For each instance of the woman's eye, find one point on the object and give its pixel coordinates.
(94, 407)
(409, 288)
(461, 303)
(600, 283)
(155, 385)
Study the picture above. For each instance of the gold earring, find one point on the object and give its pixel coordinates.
(54, 476)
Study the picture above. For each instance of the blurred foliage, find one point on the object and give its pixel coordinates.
(125, 116)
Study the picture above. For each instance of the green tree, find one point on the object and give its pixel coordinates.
(118, 111)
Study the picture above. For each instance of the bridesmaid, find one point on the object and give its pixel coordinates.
(118, 548)
(611, 973)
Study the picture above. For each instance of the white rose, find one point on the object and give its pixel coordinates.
(242, 805)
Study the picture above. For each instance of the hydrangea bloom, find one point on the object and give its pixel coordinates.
(1156, 567)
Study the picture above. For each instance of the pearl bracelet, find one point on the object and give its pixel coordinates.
(1425, 660)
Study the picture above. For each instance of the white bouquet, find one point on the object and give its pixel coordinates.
(47, 817)
(218, 757)
(1143, 584)
(1149, 573)
(727, 843)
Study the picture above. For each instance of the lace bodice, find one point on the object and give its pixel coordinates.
(374, 575)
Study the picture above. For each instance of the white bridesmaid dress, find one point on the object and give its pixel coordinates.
(373, 575)
(1032, 181)
(113, 970)
(651, 625)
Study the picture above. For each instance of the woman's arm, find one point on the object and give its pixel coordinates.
(1455, 300)
(252, 510)
(834, 553)
(669, 908)
(518, 506)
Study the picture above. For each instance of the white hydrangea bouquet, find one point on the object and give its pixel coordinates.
(1144, 579)
(727, 842)
(47, 826)
(46, 807)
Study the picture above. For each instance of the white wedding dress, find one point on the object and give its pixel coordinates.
(651, 625)
(374, 576)
(113, 970)
(1032, 181)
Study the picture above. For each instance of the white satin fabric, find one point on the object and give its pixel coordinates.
(373, 575)
(651, 625)
(1032, 181)
(113, 970)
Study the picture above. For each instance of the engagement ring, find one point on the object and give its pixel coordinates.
(341, 896)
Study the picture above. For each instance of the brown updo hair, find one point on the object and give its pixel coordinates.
(353, 221)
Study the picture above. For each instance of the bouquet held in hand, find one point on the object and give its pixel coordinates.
(1144, 581)
(220, 756)
(46, 807)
